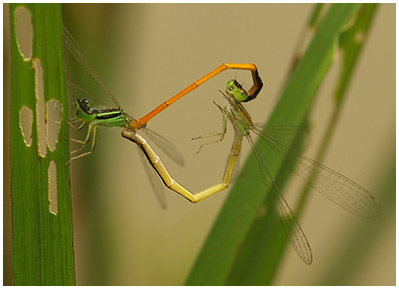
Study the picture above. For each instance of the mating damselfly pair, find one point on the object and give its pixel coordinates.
(334, 186)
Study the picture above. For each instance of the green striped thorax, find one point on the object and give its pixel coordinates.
(106, 117)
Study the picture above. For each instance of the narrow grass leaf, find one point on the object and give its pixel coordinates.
(42, 247)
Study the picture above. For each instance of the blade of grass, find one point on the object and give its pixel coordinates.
(218, 254)
(269, 251)
(350, 46)
(261, 251)
(42, 245)
(306, 34)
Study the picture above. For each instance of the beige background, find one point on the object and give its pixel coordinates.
(146, 54)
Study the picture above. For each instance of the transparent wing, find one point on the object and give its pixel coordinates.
(74, 49)
(279, 130)
(337, 188)
(166, 146)
(76, 92)
(156, 183)
(287, 219)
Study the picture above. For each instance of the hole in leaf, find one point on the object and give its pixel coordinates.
(25, 123)
(53, 110)
(41, 128)
(23, 32)
(359, 37)
(52, 188)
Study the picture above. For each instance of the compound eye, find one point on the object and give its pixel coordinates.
(90, 110)
(230, 87)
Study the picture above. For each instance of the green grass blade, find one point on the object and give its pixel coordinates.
(270, 249)
(239, 212)
(42, 245)
(316, 15)
(265, 243)
(351, 42)
(350, 45)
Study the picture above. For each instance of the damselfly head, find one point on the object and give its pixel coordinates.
(235, 89)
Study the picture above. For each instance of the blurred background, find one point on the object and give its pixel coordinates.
(146, 53)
